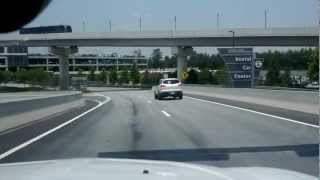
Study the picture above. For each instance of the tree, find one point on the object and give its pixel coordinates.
(293, 59)
(43, 78)
(214, 79)
(5, 76)
(34, 77)
(80, 72)
(137, 52)
(150, 78)
(273, 75)
(91, 75)
(170, 62)
(313, 68)
(203, 60)
(38, 77)
(124, 77)
(134, 74)
(156, 56)
(222, 77)
(193, 77)
(173, 74)
(2, 77)
(204, 76)
(113, 76)
(102, 76)
(286, 78)
(146, 80)
(22, 76)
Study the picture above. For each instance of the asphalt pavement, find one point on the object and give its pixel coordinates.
(134, 125)
(32, 95)
(301, 101)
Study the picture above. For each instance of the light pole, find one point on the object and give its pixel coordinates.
(83, 26)
(265, 19)
(175, 23)
(117, 59)
(110, 25)
(218, 21)
(233, 38)
(140, 23)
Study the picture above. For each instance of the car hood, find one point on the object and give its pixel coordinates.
(122, 169)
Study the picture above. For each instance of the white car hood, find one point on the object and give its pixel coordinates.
(122, 169)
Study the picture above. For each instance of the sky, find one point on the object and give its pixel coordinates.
(94, 15)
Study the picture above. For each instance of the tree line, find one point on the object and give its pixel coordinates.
(291, 59)
(200, 60)
(33, 77)
(273, 61)
(204, 69)
(304, 59)
(125, 76)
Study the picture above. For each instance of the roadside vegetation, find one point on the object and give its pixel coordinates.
(203, 69)
(210, 69)
(35, 79)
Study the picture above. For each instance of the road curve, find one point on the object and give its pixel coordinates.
(135, 125)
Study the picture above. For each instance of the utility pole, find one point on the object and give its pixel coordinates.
(140, 23)
(110, 26)
(218, 21)
(175, 23)
(83, 26)
(233, 38)
(265, 20)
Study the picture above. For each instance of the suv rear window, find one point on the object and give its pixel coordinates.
(171, 81)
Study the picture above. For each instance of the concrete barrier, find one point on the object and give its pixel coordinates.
(18, 107)
(301, 101)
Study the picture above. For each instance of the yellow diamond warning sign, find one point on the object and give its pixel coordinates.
(184, 75)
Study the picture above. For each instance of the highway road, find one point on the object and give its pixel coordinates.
(131, 124)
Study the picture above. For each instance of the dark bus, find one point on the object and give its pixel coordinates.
(46, 29)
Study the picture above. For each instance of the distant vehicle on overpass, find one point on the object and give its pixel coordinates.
(46, 29)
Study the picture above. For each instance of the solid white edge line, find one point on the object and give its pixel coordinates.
(37, 138)
(256, 112)
(166, 114)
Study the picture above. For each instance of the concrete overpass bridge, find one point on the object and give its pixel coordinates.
(62, 44)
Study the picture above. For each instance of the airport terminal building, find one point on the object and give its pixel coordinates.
(15, 57)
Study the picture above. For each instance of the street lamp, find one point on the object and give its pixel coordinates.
(110, 25)
(175, 23)
(233, 38)
(140, 23)
(83, 26)
(218, 21)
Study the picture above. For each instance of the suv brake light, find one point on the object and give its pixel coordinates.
(162, 86)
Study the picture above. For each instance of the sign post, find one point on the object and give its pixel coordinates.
(241, 66)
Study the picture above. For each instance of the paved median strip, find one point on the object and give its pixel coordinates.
(37, 138)
(255, 112)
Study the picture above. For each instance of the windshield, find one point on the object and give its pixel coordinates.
(218, 83)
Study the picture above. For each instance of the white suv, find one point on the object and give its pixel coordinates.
(168, 87)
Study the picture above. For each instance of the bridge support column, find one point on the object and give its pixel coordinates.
(63, 54)
(182, 52)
